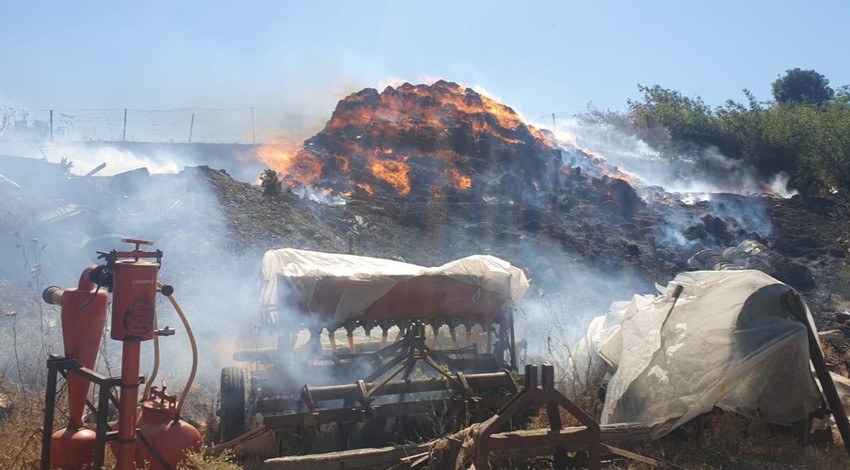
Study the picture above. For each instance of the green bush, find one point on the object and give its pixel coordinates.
(806, 137)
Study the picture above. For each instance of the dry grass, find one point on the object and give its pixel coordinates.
(203, 461)
(20, 427)
(724, 440)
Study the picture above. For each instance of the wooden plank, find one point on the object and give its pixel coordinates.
(571, 438)
(636, 457)
(358, 459)
(616, 435)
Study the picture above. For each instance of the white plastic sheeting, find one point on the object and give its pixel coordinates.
(728, 341)
(367, 279)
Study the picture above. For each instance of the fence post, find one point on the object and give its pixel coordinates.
(253, 132)
(124, 133)
(191, 127)
(51, 125)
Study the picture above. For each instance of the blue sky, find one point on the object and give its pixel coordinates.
(301, 57)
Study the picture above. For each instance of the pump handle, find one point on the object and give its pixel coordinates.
(137, 242)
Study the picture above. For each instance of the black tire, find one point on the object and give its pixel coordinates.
(232, 413)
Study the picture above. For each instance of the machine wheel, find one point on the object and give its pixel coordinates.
(232, 413)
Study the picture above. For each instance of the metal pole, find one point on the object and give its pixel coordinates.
(513, 339)
(191, 127)
(104, 391)
(124, 134)
(127, 405)
(49, 410)
(51, 125)
(794, 302)
(253, 131)
(553, 122)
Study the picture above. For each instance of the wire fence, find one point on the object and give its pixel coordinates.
(203, 125)
(246, 125)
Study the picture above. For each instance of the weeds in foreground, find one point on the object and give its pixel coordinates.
(204, 461)
(720, 440)
(20, 428)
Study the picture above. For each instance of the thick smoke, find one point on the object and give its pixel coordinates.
(64, 221)
(120, 157)
(566, 293)
(710, 172)
(685, 190)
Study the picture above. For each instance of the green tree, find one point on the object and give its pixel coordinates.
(802, 86)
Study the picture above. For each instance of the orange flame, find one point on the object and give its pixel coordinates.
(393, 172)
(458, 180)
(408, 107)
(380, 126)
(367, 188)
(611, 170)
(301, 167)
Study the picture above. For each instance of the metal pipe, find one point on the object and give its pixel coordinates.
(104, 393)
(513, 339)
(53, 295)
(49, 411)
(128, 405)
(476, 381)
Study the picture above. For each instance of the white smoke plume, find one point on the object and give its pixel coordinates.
(69, 218)
(712, 172)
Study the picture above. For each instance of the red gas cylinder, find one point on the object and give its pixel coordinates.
(72, 448)
(171, 438)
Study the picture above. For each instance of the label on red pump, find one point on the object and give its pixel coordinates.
(134, 300)
(138, 317)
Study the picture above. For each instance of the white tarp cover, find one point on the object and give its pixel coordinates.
(728, 342)
(368, 279)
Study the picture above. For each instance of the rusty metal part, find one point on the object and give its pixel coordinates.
(377, 411)
(57, 365)
(535, 396)
(312, 396)
(419, 455)
(395, 363)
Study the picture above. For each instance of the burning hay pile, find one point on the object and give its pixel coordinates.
(426, 142)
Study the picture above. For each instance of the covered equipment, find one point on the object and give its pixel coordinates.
(712, 338)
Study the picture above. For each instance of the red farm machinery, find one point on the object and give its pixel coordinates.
(367, 345)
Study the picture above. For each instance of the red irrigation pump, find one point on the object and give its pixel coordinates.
(152, 432)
